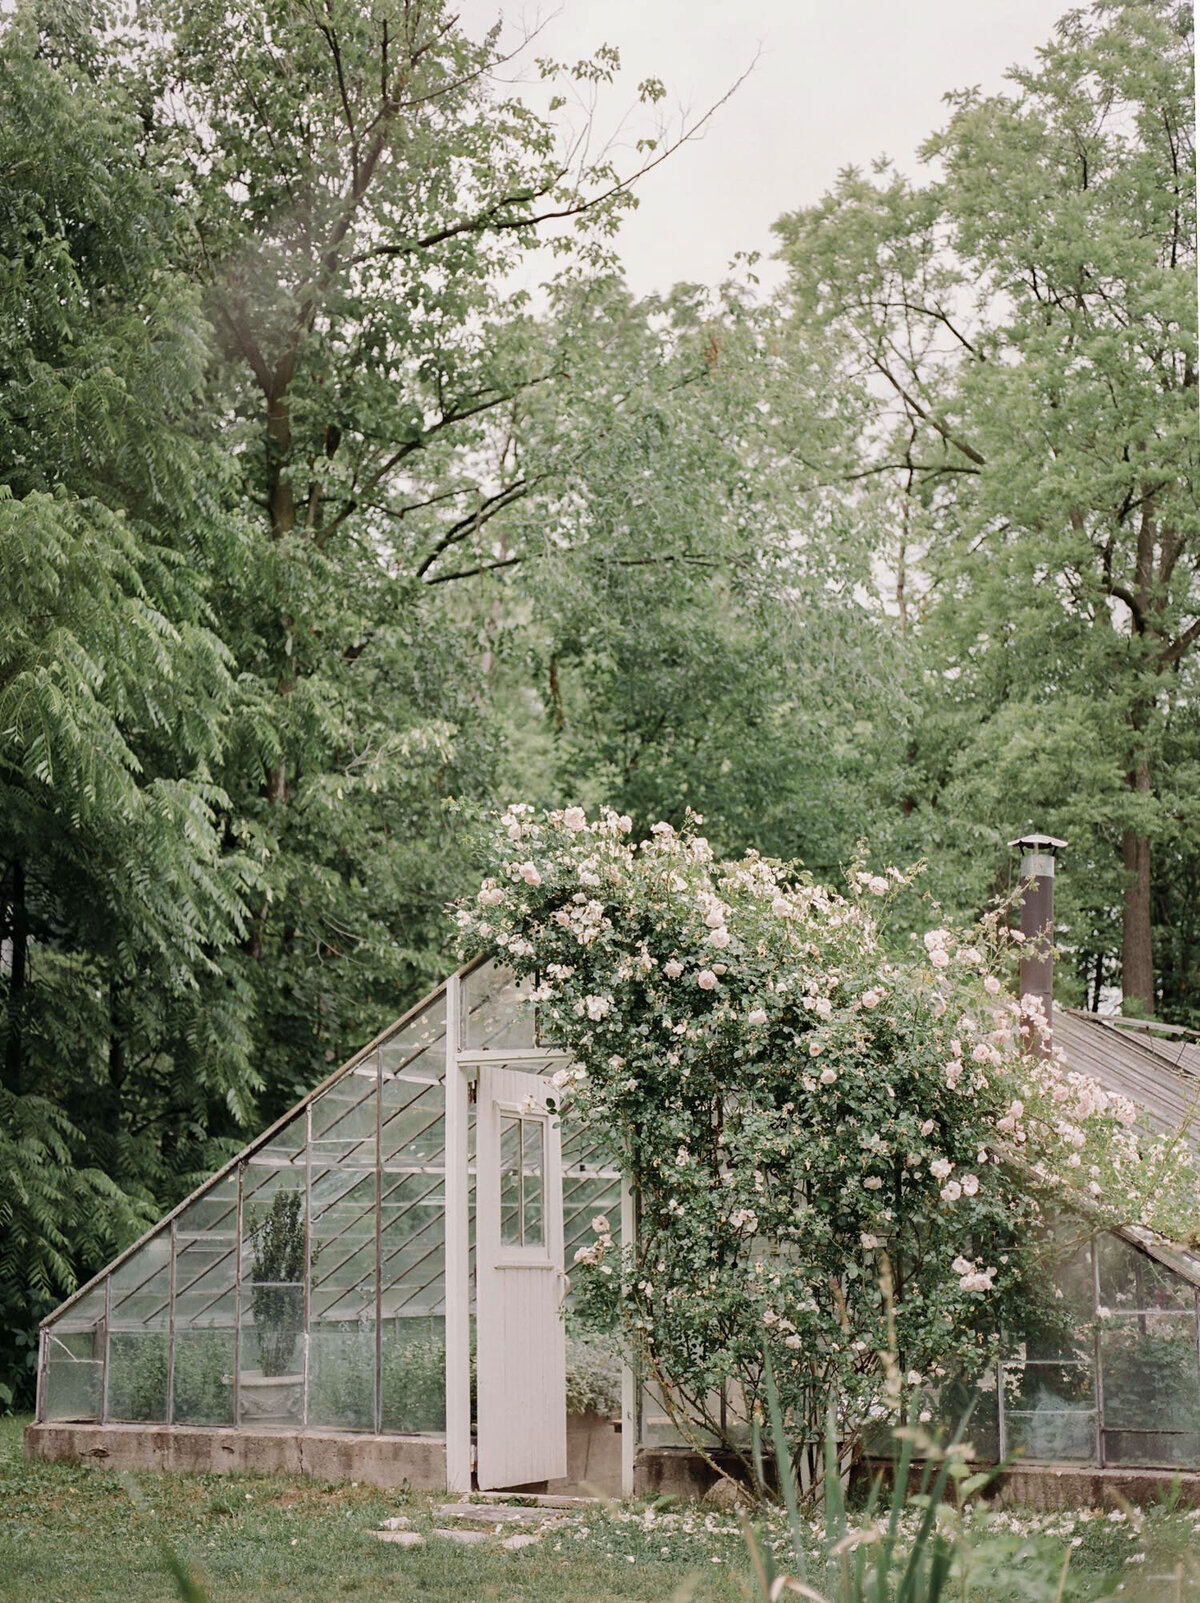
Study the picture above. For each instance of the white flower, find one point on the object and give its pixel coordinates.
(706, 979)
(869, 1241)
(962, 1266)
(936, 939)
(491, 895)
(927, 1129)
(873, 1182)
(828, 1076)
(672, 968)
(781, 907)
(913, 1378)
(601, 1225)
(574, 818)
(757, 1015)
(877, 885)
(872, 998)
(991, 985)
(720, 937)
(951, 1191)
(661, 828)
(970, 1184)
(793, 1341)
(939, 958)
(559, 1078)
(597, 1006)
(969, 954)
(624, 823)
(940, 1168)
(528, 872)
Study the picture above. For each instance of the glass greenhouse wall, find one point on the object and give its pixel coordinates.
(1116, 1383)
(303, 1286)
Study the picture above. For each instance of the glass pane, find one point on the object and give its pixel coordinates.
(344, 1119)
(137, 1376)
(271, 1367)
(583, 1201)
(954, 1400)
(413, 1259)
(510, 1181)
(1050, 1412)
(285, 1149)
(342, 1301)
(414, 1127)
(342, 1375)
(141, 1287)
(418, 1050)
(1151, 1380)
(205, 1265)
(494, 1012)
(533, 1182)
(73, 1373)
(1131, 1279)
(414, 1376)
(204, 1371)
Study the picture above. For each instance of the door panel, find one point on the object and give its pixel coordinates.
(521, 1339)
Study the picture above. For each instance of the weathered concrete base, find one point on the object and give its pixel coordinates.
(679, 1472)
(1048, 1487)
(593, 1458)
(1051, 1486)
(386, 1461)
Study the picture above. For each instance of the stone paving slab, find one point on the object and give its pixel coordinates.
(402, 1538)
(465, 1536)
(497, 1514)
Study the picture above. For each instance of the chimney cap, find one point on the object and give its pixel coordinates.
(1039, 843)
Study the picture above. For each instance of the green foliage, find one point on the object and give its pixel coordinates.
(1019, 334)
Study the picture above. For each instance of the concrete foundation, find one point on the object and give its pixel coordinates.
(386, 1461)
(1049, 1487)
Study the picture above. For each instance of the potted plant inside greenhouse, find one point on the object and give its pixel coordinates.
(273, 1392)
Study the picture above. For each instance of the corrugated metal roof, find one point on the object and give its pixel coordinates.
(1160, 1074)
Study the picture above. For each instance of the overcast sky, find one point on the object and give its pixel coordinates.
(837, 83)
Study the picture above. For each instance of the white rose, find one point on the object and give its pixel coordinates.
(757, 1015)
(720, 937)
(672, 969)
(781, 907)
(529, 873)
(706, 979)
(574, 818)
(828, 1076)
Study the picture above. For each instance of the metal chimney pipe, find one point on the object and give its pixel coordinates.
(1036, 875)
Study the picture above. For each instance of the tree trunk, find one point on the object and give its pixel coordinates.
(18, 935)
(1137, 945)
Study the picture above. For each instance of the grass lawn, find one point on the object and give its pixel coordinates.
(83, 1535)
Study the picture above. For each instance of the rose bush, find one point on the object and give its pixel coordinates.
(840, 1159)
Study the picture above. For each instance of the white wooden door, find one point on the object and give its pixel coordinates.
(521, 1368)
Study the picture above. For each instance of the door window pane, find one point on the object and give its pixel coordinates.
(510, 1181)
(522, 1181)
(533, 1182)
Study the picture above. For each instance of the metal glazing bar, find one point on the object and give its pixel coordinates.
(1098, 1358)
(308, 1141)
(171, 1326)
(237, 1306)
(378, 1244)
(104, 1354)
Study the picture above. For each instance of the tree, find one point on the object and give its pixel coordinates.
(121, 1027)
(1021, 333)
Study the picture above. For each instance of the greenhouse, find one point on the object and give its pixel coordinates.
(327, 1285)
(375, 1288)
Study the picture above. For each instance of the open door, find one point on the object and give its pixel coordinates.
(521, 1366)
